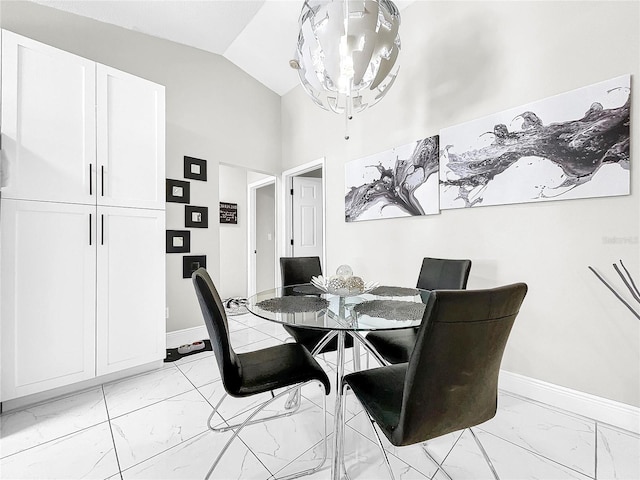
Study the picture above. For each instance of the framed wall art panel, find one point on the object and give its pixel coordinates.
(178, 241)
(572, 145)
(178, 191)
(195, 168)
(196, 217)
(190, 263)
(399, 182)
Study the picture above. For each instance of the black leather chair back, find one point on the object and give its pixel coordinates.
(297, 270)
(443, 274)
(215, 319)
(452, 375)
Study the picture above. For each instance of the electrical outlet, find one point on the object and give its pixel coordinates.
(166, 312)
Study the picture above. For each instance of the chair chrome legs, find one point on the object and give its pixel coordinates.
(293, 401)
(340, 453)
(482, 450)
(439, 465)
(384, 453)
(325, 449)
(249, 421)
(484, 454)
(292, 406)
(424, 449)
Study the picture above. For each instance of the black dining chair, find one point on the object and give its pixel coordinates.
(251, 373)
(450, 382)
(435, 274)
(296, 271)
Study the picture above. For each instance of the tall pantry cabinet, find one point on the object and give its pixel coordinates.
(82, 220)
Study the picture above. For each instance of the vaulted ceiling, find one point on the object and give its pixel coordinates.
(259, 36)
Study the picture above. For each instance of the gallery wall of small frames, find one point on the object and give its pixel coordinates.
(179, 191)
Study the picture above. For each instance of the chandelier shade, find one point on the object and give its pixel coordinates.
(347, 52)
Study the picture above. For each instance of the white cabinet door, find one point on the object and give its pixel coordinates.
(131, 140)
(48, 123)
(131, 288)
(48, 295)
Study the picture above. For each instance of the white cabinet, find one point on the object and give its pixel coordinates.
(82, 220)
(48, 122)
(79, 132)
(48, 295)
(131, 287)
(130, 166)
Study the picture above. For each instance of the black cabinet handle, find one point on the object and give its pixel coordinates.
(101, 229)
(90, 179)
(102, 178)
(89, 229)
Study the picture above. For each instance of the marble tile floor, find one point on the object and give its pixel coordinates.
(153, 426)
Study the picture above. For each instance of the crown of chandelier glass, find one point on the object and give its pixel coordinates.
(347, 52)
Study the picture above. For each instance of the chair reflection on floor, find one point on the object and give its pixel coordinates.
(287, 366)
(450, 382)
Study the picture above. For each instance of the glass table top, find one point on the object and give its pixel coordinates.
(384, 308)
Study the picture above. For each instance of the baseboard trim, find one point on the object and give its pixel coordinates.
(601, 409)
(186, 335)
(74, 388)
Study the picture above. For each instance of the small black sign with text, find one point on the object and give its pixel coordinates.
(228, 212)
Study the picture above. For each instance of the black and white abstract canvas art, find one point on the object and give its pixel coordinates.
(573, 145)
(399, 182)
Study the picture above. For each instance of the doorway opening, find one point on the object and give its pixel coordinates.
(247, 238)
(262, 253)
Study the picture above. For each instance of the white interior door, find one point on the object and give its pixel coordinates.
(307, 217)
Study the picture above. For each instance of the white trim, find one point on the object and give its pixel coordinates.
(72, 389)
(186, 336)
(601, 409)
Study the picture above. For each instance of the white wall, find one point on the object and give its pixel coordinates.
(461, 61)
(207, 100)
(233, 238)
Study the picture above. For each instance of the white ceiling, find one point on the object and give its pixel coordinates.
(259, 36)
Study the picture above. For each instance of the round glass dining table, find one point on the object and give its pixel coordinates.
(306, 306)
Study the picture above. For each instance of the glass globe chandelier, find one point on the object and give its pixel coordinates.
(347, 52)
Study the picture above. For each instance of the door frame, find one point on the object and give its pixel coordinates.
(251, 231)
(285, 248)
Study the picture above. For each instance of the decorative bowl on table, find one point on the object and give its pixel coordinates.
(344, 285)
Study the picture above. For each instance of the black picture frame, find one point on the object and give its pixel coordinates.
(178, 241)
(190, 263)
(229, 213)
(195, 168)
(178, 191)
(196, 217)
